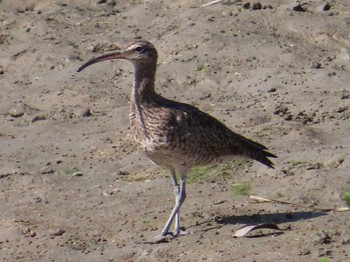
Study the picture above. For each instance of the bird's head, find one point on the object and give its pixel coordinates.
(138, 52)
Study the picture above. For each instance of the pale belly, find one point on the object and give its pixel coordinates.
(166, 156)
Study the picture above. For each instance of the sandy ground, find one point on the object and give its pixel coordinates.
(73, 186)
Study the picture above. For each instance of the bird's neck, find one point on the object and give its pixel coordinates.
(143, 97)
(143, 90)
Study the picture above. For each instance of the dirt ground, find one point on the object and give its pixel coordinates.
(73, 186)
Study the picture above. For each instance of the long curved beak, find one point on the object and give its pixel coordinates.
(102, 58)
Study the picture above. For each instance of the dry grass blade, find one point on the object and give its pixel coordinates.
(341, 209)
(227, 2)
(212, 3)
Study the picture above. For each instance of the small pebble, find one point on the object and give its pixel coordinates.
(37, 200)
(299, 8)
(46, 170)
(316, 65)
(57, 232)
(28, 232)
(346, 241)
(322, 238)
(38, 118)
(32, 233)
(16, 112)
(77, 174)
(327, 7)
(246, 5)
(280, 110)
(287, 117)
(86, 112)
(257, 6)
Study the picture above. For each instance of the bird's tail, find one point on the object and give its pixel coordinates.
(263, 157)
(260, 153)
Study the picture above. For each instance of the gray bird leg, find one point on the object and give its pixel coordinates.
(180, 198)
(176, 192)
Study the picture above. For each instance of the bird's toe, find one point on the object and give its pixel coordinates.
(162, 238)
(180, 232)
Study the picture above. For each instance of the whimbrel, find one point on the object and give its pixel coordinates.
(174, 135)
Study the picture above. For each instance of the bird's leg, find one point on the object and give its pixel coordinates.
(179, 200)
(176, 192)
(180, 195)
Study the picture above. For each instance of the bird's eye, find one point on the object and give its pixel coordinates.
(139, 49)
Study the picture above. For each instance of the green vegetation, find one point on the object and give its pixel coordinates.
(201, 173)
(347, 198)
(267, 133)
(205, 173)
(279, 195)
(202, 68)
(241, 188)
(324, 259)
(70, 171)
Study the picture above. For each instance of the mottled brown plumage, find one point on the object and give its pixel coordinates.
(175, 135)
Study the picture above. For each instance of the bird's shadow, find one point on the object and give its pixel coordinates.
(276, 218)
(268, 219)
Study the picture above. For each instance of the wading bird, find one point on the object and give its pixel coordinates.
(174, 135)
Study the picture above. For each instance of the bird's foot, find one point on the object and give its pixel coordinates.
(180, 232)
(165, 238)
(161, 239)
